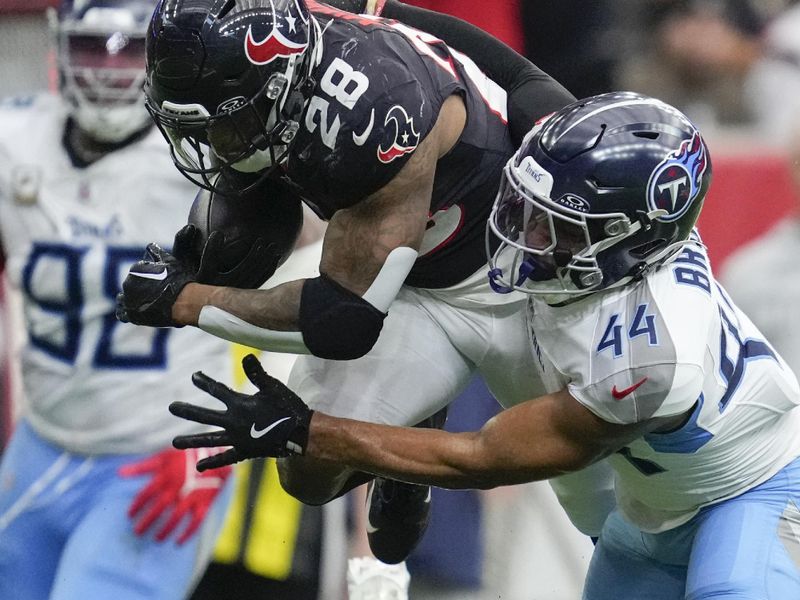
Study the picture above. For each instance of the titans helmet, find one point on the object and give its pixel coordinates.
(598, 194)
(100, 51)
(227, 82)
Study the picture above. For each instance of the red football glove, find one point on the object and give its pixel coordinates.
(175, 489)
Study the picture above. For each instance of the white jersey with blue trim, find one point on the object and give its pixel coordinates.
(669, 344)
(90, 383)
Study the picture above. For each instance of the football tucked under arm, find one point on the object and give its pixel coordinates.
(259, 231)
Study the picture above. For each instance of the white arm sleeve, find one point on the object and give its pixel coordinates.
(229, 327)
(380, 294)
(390, 278)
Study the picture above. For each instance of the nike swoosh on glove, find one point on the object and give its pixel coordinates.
(175, 493)
(272, 422)
(151, 288)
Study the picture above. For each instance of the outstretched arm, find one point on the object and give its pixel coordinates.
(539, 439)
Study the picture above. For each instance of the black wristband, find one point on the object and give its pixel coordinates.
(298, 439)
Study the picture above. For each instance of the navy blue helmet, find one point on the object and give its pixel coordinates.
(227, 81)
(598, 194)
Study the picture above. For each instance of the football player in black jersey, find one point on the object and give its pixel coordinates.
(398, 141)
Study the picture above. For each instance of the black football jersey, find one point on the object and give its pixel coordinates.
(379, 89)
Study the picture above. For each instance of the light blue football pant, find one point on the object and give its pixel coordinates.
(745, 548)
(65, 533)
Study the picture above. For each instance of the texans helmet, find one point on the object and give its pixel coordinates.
(598, 194)
(100, 50)
(227, 82)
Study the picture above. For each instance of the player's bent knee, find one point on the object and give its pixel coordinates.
(311, 482)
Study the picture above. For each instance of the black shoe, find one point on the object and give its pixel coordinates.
(397, 512)
(397, 517)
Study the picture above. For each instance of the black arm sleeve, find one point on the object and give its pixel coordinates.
(532, 93)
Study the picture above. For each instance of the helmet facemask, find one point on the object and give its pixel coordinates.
(598, 194)
(554, 249)
(101, 70)
(248, 137)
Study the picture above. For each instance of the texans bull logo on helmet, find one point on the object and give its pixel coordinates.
(278, 42)
(677, 180)
(406, 139)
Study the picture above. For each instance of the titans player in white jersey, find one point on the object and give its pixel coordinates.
(645, 359)
(94, 502)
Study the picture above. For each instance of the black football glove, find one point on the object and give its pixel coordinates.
(221, 262)
(272, 422)
(153, 283)
(184, 248)
(151, 288)
(249, 273)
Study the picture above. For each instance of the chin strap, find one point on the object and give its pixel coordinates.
(526, 269)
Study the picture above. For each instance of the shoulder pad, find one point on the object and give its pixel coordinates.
(376, 100)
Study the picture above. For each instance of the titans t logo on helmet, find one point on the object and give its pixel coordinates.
(676, 181)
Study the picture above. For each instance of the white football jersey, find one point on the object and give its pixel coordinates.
(92, 384)
(672, 343)
(763, 277)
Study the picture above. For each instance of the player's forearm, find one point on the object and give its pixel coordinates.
(448, 460)
(276, 308)
(418, 455)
